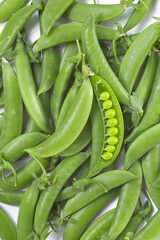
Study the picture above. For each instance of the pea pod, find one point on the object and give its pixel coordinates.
(25, 175)
(152, 112)
(147, 77)
(61, 82)
(44, 97)
(1, 123)
(100, 227)
(96, 188)
(7, 228)
(102, 12)
(107, 129)
(28, 89)
(151, 230)
(98, 62)
(12, 198)
(151, 168)
(72, 126)
(13, 108)
(149, 139)
(138, 14)
(14, 26)
(8, 7)
(15, 148)
(59, 176)
(85, 215)
(128, 198)
(52, 12)
(26, 211)
(130, 65)
(70, 32)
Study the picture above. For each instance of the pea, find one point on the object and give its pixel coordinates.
(112, 140)
(110, 113)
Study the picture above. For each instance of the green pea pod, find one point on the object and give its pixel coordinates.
(151, 231)
(15, 148)
(52, 12)
(70, 32)
(72, 126)
(57, 178)
(130, 65)
(61, 82)
(95, 188)
(1, 97)
(107, 126)
(25, 175)
(26, 211)
(98, 62)
(50, 65)
(73, 231)
(45, 98)
(8, 7)
(28, 89)
(151, 169)
(102, 12)
(148, 139)
(99, 227)
(12, 198)
(138, 14)
(152, 112)
(147, 78)
(7, 228)
(14, 26)
(127, 203)
(13, 108)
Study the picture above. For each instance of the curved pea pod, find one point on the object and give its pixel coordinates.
(15, 148)
(97, 61)
(130, 65)
(27, 210)
(14, 26)
(12, 198)
(25, 175)
(80, 143)
(148, 139)
(7, 228)
(151, 231)
(28, 89)
(13, 108)
(151, 169)
(95, 188)
(100, 227)
(8, 7)
(102, 12)
(70, 32)
(147, 78)
(85, 215)
(72, 126)
(127, 202)
(152, 111)
(52, 12)
(57, 179)
(107, 126)
(138, 14)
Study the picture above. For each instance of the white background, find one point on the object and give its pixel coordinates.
(33, 30)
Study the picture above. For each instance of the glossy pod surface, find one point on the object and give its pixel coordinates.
(113, 125)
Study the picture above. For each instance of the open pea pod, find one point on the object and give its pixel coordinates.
(107, 126)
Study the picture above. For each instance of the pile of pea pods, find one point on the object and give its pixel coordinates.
(79, 124)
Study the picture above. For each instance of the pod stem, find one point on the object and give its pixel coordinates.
(4, 165)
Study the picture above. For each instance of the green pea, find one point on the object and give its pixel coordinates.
(107, 155)
(107, 104)
(104, 96)
(112, 131)
(110, 148)
(110, 113)
(112, 140)
(112, 122)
